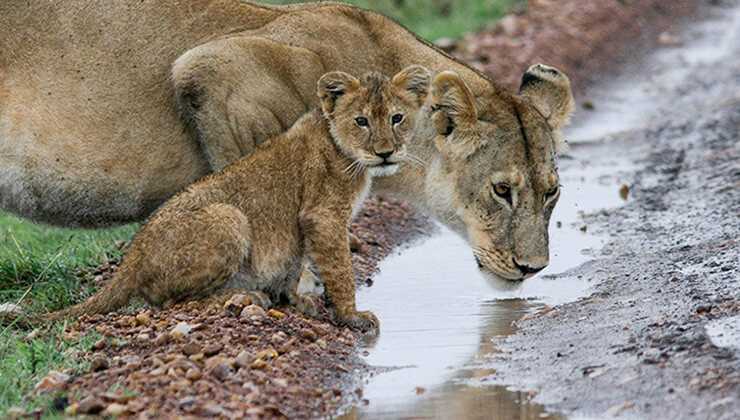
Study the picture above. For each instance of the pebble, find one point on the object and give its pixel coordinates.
(244, 359)
(308, 334)
(212, 349)
(191, 348)
(100, 344)
(193, 374)
(274, 313)
(143, 318)
(99, 363)
(252, 312)
(181, 330)
(90, 405)
(222, 371)
(235, 305)
(114, 410)
(53, 381)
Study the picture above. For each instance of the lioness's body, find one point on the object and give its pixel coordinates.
(89, 131)
(109, 108)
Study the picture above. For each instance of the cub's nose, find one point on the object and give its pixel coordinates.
(525, 269)
(384, 155)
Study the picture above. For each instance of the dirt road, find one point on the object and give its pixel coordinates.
(658, 335)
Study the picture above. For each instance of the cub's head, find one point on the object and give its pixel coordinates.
(372, 119)
(495, 176)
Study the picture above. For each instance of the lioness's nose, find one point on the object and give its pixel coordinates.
(526, 269)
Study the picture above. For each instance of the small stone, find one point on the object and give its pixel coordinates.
(235, 305)
(281, 382)
(143, 337)
(33, 335)
(258, 364)
(53, 381)
(161, 339)
(446, 44)
(10, 310)
(668, 39)
(278, 337)
(244, 359)
(624, 192)
(588, 105)
(191, 348)
(143, 318)
(222, 371)
(267, 354)
(420, 390)
(114, 410)
(193, 374)
(584, 228)
(252, 312)
(308, 334)
(274, 313)
(321, 343)
(181, 330)
(100, 344)
(72, 409)
(212, 349)
(99, 363)
(91, 405)
(15, 413)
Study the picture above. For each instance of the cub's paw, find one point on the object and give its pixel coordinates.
(364, 321)
(308, 305)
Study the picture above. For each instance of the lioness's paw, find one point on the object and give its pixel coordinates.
(364, 321)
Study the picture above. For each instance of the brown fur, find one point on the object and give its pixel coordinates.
(109, 108)
(252, 225)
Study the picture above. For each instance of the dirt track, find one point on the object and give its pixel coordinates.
(655, 338)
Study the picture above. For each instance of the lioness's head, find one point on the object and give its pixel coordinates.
(371, 120)
(496, 171)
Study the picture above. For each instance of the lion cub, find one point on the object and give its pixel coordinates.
(252, 225)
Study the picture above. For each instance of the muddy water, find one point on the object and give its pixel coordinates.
(440, 316)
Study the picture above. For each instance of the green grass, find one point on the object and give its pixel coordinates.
(23, 363)
(434, 19)
(46, 264)
(48, 268)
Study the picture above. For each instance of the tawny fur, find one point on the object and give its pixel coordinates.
(253, 225)
(109, 108)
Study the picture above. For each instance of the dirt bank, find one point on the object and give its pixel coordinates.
(225, 365)
(649, 342)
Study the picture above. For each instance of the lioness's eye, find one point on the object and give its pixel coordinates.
(552, 193)
(503, 191)
(397, 118)
(361, 121)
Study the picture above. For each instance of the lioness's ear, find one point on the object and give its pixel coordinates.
(549, 91)
(333, 85)
(453, 105)
(415, 79)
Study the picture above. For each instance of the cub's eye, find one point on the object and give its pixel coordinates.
(361, 121)
(503, 191)
(397, 118)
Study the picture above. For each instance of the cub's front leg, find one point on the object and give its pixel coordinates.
(327, 246)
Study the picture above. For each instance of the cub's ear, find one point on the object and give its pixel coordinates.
(333, 85)
(548, 89)
(415, 79)
(453, 104)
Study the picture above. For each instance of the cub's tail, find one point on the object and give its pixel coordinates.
(114, 295)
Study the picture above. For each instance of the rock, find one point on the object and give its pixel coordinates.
(33, 335)
(72, 409)
(15, 413)
(191, 348)
(252, 312)
(278, 338)
(100, 344)
(258, 364)
(91, 405)
(143, 318)
(509, 25)
(181, 330)
(162, 339)
(99, 363)
(281, 382)
(669, 40)
(244, 359)
(274, 313)
(235, 305)
(308, 334)
(114, 410)
(212, 349)
(222, 371)
(624, 192)
(193, 374)
(267, 354)
(53, 381)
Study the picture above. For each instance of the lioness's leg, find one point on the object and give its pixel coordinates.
(237, 92)
(192, 255)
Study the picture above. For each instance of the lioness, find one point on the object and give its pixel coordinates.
(109, 108)
(253, 224)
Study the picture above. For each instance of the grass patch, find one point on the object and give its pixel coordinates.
(434, 19)
(46, 264)
(23, 363)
